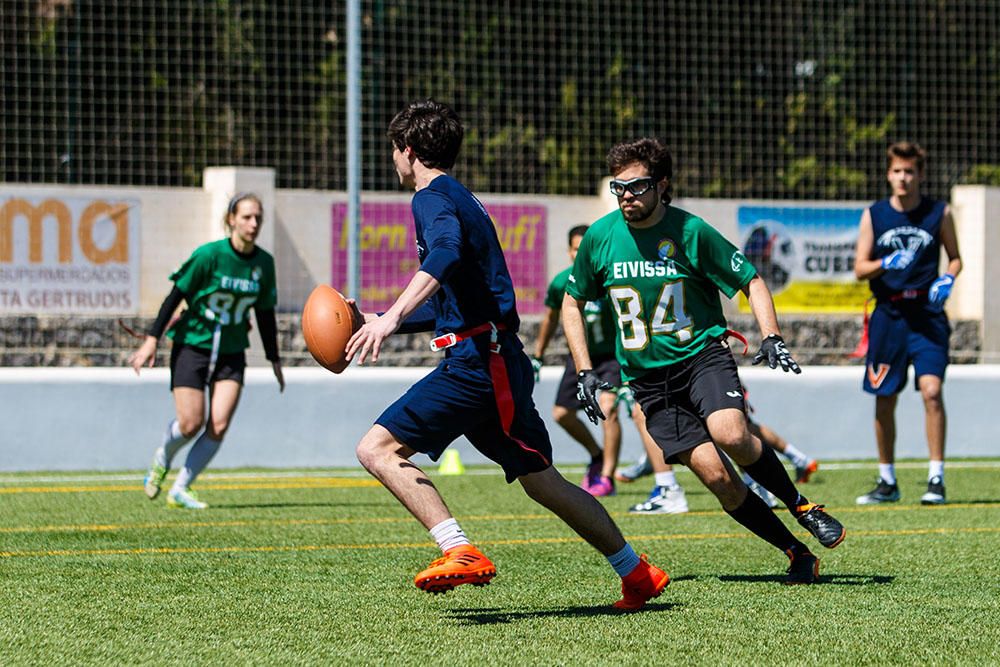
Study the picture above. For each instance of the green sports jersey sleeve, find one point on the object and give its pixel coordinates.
(268, 297)
(718, 259)
(195, 271)
(554, 295)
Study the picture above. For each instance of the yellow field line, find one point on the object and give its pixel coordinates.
(333, 483)
(42, 553)
(160, 525)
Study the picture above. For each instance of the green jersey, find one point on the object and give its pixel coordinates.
(221, 286)
(598, 317)
(663, 282)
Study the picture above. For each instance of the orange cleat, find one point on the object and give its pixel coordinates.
(642, 585)
(460, 565)
(803, 474)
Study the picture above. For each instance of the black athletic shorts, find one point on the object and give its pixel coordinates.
(677, 399)
(189, 366)
(607, 369)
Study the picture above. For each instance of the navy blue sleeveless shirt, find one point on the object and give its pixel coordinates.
(918, 229)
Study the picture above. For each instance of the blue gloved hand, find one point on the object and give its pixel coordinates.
(898, 260)
(625, 397)
(940, 291)
(536, 367)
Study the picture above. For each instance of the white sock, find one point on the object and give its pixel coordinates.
(797, 458)
(173, 440)
(935, 469)
(667, 479)
(448, 535)
(202, 451)
(887, 471)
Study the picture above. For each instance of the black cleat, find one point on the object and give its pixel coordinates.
(823, 527)
(884, 492)
(803, 569)
(935, 492)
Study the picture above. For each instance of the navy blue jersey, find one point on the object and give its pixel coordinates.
(458, 245)
(919, 230)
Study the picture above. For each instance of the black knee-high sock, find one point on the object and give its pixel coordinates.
(758, 518)
(769, 473)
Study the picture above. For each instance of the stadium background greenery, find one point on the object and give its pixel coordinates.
(766, 100)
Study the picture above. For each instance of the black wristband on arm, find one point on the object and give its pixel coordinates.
(268, 326)
(166, 311)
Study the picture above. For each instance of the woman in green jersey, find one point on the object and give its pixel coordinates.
(220, 282)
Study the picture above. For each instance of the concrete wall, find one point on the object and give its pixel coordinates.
(108, 419)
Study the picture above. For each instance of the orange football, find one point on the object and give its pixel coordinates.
(328, 322)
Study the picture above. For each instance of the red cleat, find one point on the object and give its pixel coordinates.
(461, 565)
(641, 585)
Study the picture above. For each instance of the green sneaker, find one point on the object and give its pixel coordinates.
(153, 480)
(184, 499)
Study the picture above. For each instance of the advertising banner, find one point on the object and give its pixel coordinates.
(805, 255)
(389, 251)
(69, 255)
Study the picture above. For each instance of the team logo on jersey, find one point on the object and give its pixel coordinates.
(736, 261)
(907, 237)
(255, 273)
(666, 249)
(877, 377)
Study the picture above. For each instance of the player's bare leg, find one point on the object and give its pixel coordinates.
(576, 429)
(886, 489)
(576, 507)
(936, 424)
(935, 418)
(224, 397)
(604, 484)
(641, 581)
(729, 430)
(388, 460)
(885, 429)
(189, 407)
(667, 496)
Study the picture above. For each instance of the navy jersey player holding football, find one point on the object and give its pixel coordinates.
(898, 252)
(482, 387)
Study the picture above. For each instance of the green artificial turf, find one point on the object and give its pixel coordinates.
(316, 567)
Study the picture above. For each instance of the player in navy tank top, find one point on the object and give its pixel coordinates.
(898, 252)
(482, 388)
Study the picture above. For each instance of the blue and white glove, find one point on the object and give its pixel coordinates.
(536, 368)
(898, 260)
(940, 291)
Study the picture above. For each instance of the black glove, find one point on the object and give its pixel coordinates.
(587, 386)
(773, 349)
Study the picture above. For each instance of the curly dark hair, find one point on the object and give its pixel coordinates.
(432, 129)
(650, 153)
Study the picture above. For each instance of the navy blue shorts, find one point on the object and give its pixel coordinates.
(455, 399)
(898, 337)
